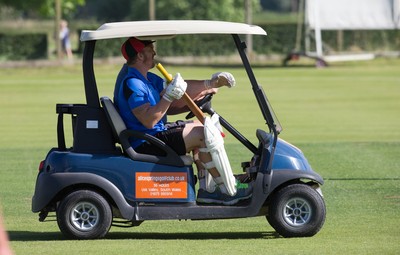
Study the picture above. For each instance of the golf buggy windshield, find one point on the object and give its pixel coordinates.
(265, 106)
(277, 124)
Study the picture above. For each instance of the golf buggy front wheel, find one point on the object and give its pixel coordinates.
(84, 214)
(297, 210)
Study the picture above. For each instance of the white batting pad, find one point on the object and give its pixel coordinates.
(215, 146)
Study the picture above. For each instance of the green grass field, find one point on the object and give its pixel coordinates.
(345, 118)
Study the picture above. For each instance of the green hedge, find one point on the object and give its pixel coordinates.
(280, 40)
(23, 46)
(179, 46)
(364, 40)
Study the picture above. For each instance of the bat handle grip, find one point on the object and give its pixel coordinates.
(189, 102)
(164, 72)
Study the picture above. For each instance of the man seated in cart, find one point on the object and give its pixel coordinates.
(144, 99)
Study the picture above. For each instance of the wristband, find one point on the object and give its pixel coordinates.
(168, 98)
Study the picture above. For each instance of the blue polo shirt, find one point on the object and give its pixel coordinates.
(133, 90)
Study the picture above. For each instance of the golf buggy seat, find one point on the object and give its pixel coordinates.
(122, 134)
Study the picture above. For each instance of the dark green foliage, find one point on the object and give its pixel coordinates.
(281, 39)
(364, 40)
(194, 45)
(108, 48)
(23, 46)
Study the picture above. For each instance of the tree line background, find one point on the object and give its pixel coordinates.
(31, 23)
(119, 10)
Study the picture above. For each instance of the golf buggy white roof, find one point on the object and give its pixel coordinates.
(159, 29)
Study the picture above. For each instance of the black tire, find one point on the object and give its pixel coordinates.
(297, 210)
(84, 214)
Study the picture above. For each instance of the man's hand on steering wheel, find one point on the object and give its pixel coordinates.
(204, 93)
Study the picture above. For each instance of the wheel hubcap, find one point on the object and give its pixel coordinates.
(85, 216)
(297, 212)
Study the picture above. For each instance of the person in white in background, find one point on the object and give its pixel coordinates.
(65, 40)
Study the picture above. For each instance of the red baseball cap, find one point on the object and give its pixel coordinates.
(133, 46)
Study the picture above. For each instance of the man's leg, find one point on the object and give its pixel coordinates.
(206, 181)
(193, 136)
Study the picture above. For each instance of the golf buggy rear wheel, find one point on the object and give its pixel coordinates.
(297, 210)
(84, 214)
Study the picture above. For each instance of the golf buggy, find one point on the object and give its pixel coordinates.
(101, 181)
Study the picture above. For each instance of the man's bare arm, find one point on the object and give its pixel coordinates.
(149, 115)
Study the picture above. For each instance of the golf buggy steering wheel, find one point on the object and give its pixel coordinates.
(201, 104)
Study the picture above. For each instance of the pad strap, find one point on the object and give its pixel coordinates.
(205, 150)
(209, 165)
